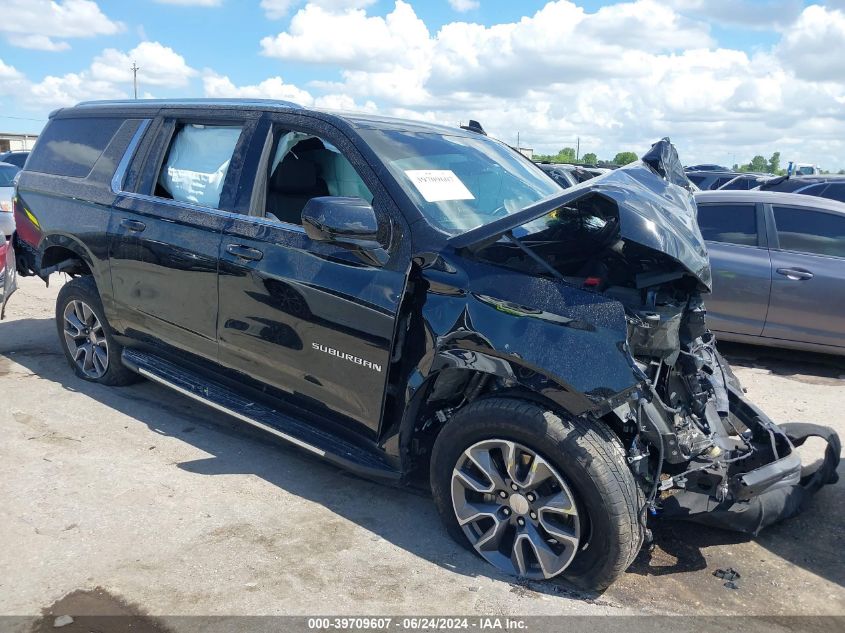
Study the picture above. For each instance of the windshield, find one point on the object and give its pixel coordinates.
(460, 182)
(7, 175)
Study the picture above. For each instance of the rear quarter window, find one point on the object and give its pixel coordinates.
(70, 147)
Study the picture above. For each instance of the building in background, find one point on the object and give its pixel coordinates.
(528, 152)
(13, 141)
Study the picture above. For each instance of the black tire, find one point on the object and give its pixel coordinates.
(586, 454)
(84, 290)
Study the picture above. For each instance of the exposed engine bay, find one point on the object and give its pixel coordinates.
(700, 450)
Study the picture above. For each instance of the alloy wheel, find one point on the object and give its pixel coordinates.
(515, 509)
(85, 339)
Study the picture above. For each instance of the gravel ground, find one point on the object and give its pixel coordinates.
(181, 510)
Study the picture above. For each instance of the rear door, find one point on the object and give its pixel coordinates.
(742, 270)
(808, 281)
(166, 229)
(311, 320)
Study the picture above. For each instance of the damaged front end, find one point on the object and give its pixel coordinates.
(700, 450)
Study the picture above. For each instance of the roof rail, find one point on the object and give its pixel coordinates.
(194, 101)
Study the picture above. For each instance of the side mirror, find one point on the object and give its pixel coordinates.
(347, 222)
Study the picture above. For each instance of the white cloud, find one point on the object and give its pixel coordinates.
(72, 88)
(814, 47)
(220, 86)
(44, 24)
(9, 72)
(751, 14)
(109, 77)
(277, 9)
(350, 37)
(36, 42)
(619, 77)
(159, 66)
(462, 6)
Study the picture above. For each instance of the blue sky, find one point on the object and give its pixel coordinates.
(722, 78)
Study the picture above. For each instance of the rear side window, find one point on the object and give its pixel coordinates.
(729, 223)
(196, 164)
(814, 190)
(807, 231)
(70, 147)
(696, 179)
(835, 191)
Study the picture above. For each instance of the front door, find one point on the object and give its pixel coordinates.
(808, 281)
(311, 320)
(165, 235)
(739, 260)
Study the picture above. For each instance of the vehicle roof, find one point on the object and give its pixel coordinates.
(770, 197)
(358, 120)
(712, 172)
(2, 164)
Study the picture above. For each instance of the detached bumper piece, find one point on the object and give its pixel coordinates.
(765, 495)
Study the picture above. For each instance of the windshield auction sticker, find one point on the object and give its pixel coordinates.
(438, 185)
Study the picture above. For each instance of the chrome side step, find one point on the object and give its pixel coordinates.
(308, 437)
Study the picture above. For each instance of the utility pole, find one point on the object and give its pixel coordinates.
(577, 149)
(135, 70)
(517, 141)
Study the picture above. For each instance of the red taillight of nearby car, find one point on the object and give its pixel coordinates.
(26, 224)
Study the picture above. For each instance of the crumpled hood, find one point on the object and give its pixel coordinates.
(656, 210)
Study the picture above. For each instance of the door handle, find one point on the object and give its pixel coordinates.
(244, 252)
(133, 225)
(795, 274)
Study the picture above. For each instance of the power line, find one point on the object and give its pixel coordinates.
(20, 118)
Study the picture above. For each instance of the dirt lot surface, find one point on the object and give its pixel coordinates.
(179, 510)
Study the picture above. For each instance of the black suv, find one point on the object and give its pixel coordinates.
(415, 303)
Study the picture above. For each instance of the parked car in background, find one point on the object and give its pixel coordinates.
(778, 262)
(710, 179)
(7, 193)
(805, 169)
(824, 186)
(7, 274)
(706, 167)
(745, 182)
(790, 184)
(414, 303)
(831, 189)
(17, 158)
(566, 175)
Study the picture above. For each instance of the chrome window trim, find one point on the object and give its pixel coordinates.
(120, 173)
(119, 177)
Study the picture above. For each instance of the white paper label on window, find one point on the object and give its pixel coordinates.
(438, 185)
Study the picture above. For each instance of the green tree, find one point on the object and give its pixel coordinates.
(623, 158)
(774, 163)
(758, 163)
(590, 159)
(566, 155)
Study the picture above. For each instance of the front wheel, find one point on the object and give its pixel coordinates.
(537, 494)
(86, 336)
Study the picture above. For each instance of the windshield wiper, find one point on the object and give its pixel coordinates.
(527, 250)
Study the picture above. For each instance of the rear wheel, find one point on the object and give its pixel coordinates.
(535, 494)
(86, 337)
